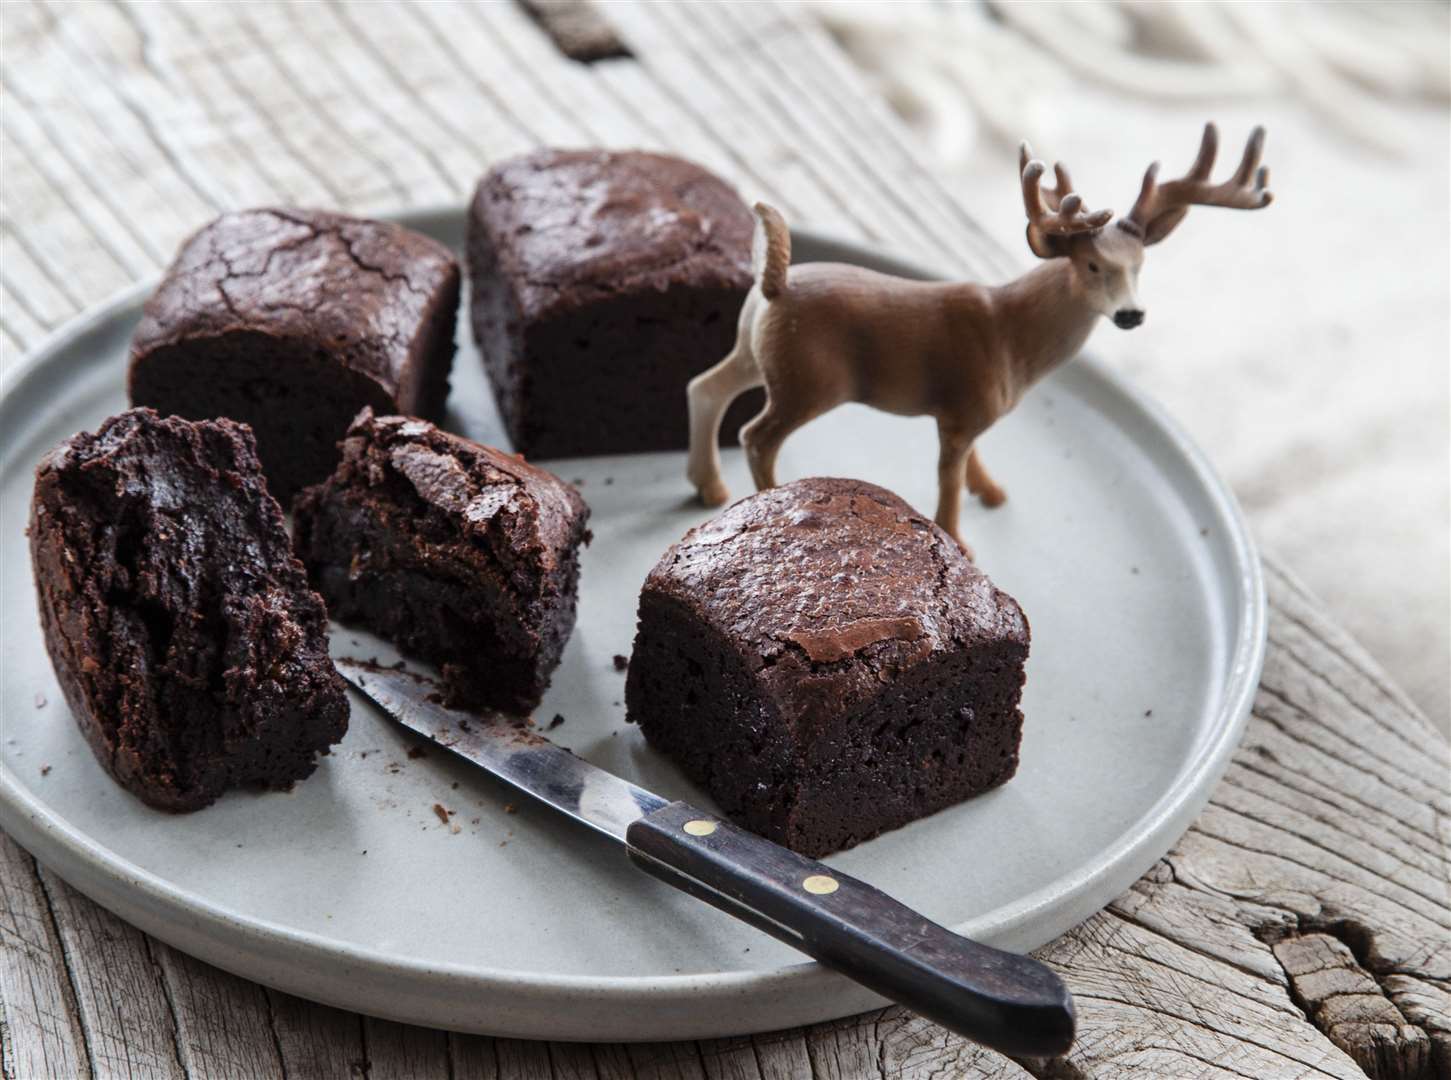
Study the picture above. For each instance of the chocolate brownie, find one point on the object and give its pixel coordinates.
(464, 556)
(293, 320)
(190, 649)
(602, 282)
(828, 664)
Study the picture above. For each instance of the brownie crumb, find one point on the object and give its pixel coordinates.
(558, 719)
(621, 662)
(45, 770)
(1148, 712)
(417, 752)
(441, 812)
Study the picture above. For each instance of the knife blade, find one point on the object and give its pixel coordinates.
(1011, 1003)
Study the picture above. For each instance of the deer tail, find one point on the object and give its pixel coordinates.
(771, 251)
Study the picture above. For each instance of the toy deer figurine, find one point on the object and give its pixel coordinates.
(821, 334)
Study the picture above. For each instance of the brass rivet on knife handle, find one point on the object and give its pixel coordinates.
(699, 827)
(820, 885)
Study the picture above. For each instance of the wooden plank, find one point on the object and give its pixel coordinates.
(223, 1023)
(420, 170)
(289, 69)
(403, 1051)
(762, 165)
(805, 121)
(898, 161)
(571, 89)
(472, 1057)
(121, 999)
(184, 131)
(208, 76)
(38, 1014)
(314, 1040)
(523, 1060)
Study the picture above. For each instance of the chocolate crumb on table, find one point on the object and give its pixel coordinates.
(558, 719)
(621, 662)
(442, 814)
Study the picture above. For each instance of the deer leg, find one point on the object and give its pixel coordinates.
(708, 396)
(763, 436)
(951, 459)
(981, 484)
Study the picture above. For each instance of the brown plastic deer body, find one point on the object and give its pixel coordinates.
(821, 334)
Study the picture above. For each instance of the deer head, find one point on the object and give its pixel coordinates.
(1106, 261)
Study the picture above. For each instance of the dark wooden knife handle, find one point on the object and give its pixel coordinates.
(1011, 1003)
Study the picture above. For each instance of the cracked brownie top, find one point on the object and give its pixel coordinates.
(836, 579)
(575, 225)
(357, 288)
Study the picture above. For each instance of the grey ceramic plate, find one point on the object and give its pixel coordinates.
(1127, 552)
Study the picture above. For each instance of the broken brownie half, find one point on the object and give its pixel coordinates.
(464, 556)
(189, 646)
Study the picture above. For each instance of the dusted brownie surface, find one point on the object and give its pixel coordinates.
(828, 664)
(293, 320)
(189, 646)
(464, 556)
(602, 282)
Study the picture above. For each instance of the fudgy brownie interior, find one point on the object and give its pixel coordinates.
(464, 556)
(293, 320)
(828, 664)
(184, 635)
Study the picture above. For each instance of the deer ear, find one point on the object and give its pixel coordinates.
(1045, 246)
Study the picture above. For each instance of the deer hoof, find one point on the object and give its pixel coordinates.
(713, 493)
(993, 496)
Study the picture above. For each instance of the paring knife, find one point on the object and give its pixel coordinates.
(1011, 1003)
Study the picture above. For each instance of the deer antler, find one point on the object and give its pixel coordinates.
(1160, 207)
(1064, 214)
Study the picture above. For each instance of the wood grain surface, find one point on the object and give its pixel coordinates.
(1301, 928)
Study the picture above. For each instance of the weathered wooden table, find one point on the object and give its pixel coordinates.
(1301, 928)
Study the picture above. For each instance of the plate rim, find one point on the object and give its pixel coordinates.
(54, 840)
